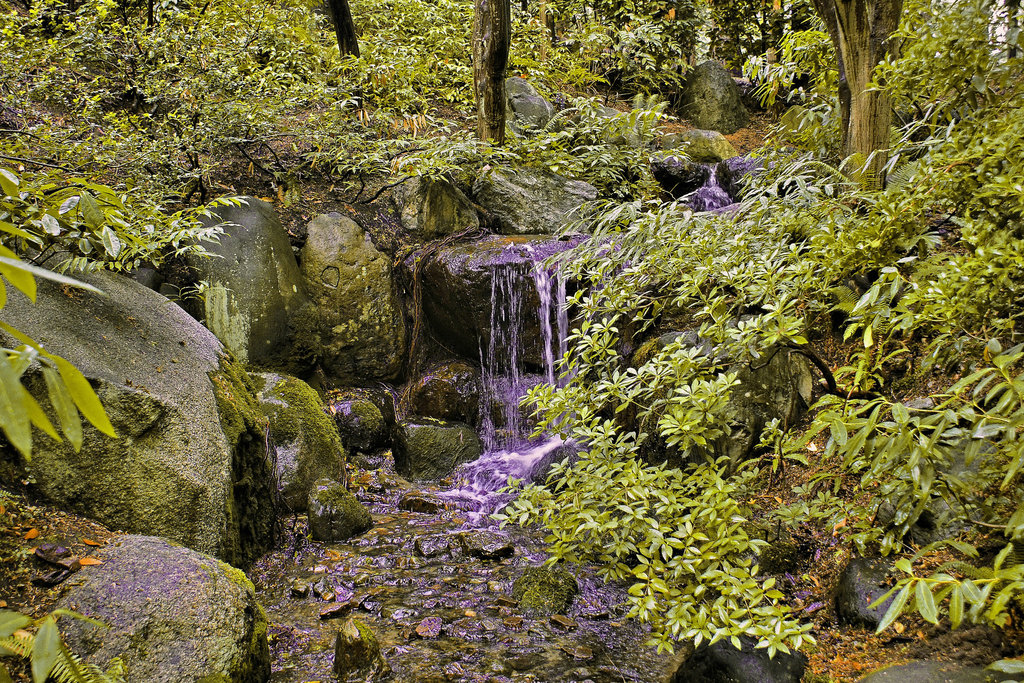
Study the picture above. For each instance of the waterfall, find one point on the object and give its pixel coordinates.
(510, 452)
(711, 195)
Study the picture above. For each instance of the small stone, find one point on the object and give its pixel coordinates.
(469, 613)
(356, 651)
(514, 623)
(503, 601)
(423, 503)
(432, 546)
(563, 622)
(300, 589)
(402, 613)
(486, 545)
(545, 590)
(322, 589)
(338, 609)
(429, 627)
(581, 652)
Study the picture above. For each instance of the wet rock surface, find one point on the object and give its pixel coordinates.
(173, 615)
(530, 201)
(935, 672)
(449, 391)
(427, 449)
(334, 513)
(724, 663)
(862, 582)
(439, 611)
(545, 590)
(430, 209)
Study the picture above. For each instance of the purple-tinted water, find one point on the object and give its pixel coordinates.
(510, 452)
(711, 195)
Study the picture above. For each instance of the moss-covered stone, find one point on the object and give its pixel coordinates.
(427, 449)
(335, 514)
(188, 462)
(361, 424)
(251, 508)
(545, 590)
(173, 615)
(357, 653)
(449, 391)
(308, 444)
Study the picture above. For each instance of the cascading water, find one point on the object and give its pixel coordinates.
(711, 195)
(510, 453)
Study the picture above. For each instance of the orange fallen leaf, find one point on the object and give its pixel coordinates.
(89, 562)
(89, 541)
(32, 533)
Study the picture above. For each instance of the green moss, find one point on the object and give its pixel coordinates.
(335, 514)
(295, 410)
(235, 392)
(547, 590)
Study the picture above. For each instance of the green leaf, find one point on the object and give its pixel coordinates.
(17, 272)
(926, 602)
(83, 395)
(37, 416)
(9, 183)
(13, 419)
(91, 212)
(111, 242)
(1007, 666)
(45, 650)
(895, 608)
(11, 621)
(956, 607)
(47, 274)
(60, 399)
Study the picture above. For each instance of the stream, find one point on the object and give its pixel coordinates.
(433, 578)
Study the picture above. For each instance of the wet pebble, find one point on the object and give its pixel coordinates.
(432, 546)
(300, 589)
(563, 622)
(486, 545)
(429, 627)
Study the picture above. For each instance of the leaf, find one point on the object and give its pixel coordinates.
(68, 204)
(17, 273)
(31, 534)
(895, 608)
(48, 274)
(36, 414)
(83, 395)
(956, 607)
(91, 212)
(90, 561)
(111, 242)
(45, 650)
(63, 406)
(51, 226)
(13, 419)
(9, 183)
(89, 541)
(11, 622)
(926, 603)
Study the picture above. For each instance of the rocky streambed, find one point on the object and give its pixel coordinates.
(439, 596)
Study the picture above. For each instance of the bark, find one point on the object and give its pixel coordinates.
(492, 35)
(344, 27)
(1013, 24)
(861, 31)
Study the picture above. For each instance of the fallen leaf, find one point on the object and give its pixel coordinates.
(32, 533)
(89, 562)
(89, 541)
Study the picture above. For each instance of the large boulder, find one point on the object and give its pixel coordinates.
(724, 663)
(529, 201)
(335, 514)
(190, 462)
(701, 145)
(458, 287)
(449, 391)
(253, 283)
(171, 615)
(427, 449)
(430, 209)
(712, 100)
(863, 581)
(527, 108)
(363, 425)
(936, 672)
(354, 327)
(307, 440)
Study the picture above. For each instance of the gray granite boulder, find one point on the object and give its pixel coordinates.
(254, 287)
(712, 100)
(354, 327)
(529, 201)
(863, 581)
(190, 461)
(527, 108)
(307, 440)
(433, 208)
(172, 615)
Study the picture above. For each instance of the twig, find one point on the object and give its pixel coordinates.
(38, 163)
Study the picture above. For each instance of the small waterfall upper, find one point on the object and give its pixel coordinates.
(511, 452)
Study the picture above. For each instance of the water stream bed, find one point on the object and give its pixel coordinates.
(438, 594)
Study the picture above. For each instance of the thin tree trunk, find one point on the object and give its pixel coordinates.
(1013, 24)
(492, 36)
(861, 31)
(344, 27)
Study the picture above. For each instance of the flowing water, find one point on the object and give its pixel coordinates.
(710, 196)
(435, 587)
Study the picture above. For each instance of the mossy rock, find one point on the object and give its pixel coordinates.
(335, 514)
(308, 444)
(357, 654)
(189, 462)
(427, 449)
(545, 590)
(449, 391)
(361, 424)
(171, 614)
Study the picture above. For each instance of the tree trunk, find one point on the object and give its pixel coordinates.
(860, 31)
(492, 36)
(344, 28)
(1013, 24)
